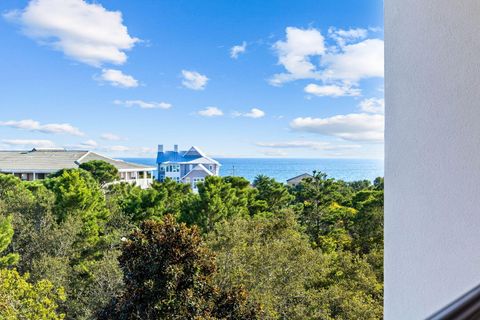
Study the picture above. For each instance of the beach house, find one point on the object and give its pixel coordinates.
(38, 163)
(191, 166)
(296, 180)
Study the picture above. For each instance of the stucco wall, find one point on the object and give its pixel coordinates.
(432, 171)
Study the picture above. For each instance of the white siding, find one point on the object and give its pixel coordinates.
(432, 200)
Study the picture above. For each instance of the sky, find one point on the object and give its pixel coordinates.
(238, 78)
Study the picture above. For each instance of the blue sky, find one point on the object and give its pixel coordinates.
(237, 78)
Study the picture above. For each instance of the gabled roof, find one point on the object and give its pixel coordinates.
(52, 160)
(39, 160)
(194, 151)
(190, 156)
(303, 175)
(198, 167)
(202, 160)
(119, 164)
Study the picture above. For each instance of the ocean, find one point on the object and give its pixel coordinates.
(282, 169)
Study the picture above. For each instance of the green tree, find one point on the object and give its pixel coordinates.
(166, 197)
(101, 171)
(272, 258)
(78, 193)
(367, 228)
(20, 299)
(334, 228)
(378, 183)
(274, 193)
(168, 275)
(53, 250)
(217, 200)
(347, 287)
(244, 190)
(6, 234)
(360, 185)
(316, 195)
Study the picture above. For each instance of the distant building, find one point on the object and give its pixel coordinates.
(296, 180)
(37, 163)
(190, 167)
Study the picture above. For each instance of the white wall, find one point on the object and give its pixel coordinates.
(432, 172)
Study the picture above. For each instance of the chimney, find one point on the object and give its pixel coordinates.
(175, 148)
(160, 148)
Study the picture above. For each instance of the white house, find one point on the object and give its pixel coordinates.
(38, 163)
(191, 166)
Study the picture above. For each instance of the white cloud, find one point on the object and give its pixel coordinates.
(143, 104)
(29, 143)
(32, 125)
(235, 51)
(117, 78)
(332, 90)
(295, 53)
(275, 153)
(194, 80)
(316, 145)
(352, 127)
(305, 55)
(83, 31)
(85, 145)
(253, 113)
(110, 137)
(373, 105)
(356, 61)
(89, 144)
(344, 36)
(118, 148)
(211, 112)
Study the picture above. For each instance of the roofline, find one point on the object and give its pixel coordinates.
(308, 174)
(138, 169)
(81, 158)
(132, 163)
(203, 169)
(30, 170)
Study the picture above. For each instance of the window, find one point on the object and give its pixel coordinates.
(210, 167)
(172, 168)
(187, 180)
(197, 181)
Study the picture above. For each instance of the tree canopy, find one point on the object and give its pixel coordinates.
(168, 275)
(101, 171)
(234, 250)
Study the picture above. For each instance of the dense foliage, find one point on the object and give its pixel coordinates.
(77, 246)
(168, 275)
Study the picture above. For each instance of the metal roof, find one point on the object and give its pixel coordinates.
(192, 156)
(202, 160)
(52, 160)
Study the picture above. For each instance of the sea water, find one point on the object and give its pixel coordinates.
(282, 169)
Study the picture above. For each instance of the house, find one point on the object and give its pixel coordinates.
(296, 180)
(190, 167)
(38, 163)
